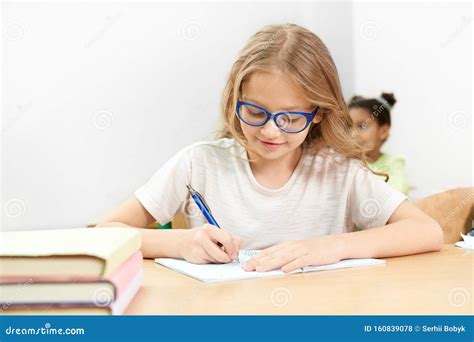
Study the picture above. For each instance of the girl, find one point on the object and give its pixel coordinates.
(371, 118)
(285, 175)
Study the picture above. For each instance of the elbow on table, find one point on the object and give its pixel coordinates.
(436, 234)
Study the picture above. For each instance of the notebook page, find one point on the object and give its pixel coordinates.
(234, 270)
(210, 273)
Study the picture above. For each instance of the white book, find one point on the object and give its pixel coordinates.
(211, 273)
(467, 243)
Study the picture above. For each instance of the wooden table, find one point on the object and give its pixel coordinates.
(439, 283)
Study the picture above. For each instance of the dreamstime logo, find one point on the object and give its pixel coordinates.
(284, 121)
(459, 296)
(458, 120)
(191, 31)
(276, 35)
(17, 293)
(109, 22)
(465, 22)
(369, 30)
(103, 119)
(13, 31)
(465, 201)
(103, 297)
(15, 208)
(370, 208)
(377, 109)
(280, 297)
(20, 110)
(191, 209)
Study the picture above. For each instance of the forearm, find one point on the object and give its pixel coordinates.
(156, 243)
(405, 237)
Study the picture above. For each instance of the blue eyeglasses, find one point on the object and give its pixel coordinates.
(289, 122)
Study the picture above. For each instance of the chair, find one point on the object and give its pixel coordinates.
(452, 209)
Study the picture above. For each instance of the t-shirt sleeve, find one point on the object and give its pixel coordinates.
(371, 200)
(165, 192)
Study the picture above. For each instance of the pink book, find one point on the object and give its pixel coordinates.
(127, 295)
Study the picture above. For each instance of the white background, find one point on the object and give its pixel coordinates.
(96, 97)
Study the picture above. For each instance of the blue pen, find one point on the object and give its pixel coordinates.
(201, 203)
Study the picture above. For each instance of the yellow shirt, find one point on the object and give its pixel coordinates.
(394, 166)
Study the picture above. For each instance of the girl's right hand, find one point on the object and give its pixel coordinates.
(199, 245)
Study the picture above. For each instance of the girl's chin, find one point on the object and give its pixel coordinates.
(271, 153)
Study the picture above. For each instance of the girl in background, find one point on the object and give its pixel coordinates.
(371, 118)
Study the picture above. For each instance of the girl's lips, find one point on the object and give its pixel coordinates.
(269, 145)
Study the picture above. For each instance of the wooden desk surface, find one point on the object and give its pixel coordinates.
(439, 283)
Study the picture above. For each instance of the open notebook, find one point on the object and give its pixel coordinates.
(210, 273)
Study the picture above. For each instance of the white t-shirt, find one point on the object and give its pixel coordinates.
(326, 194)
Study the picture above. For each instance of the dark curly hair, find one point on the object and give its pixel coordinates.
(379, 107)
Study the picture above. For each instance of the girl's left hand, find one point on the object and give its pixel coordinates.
(292, 255)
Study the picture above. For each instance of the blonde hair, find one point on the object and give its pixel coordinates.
(300, 55)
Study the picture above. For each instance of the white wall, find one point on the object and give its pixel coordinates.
(422, 52)
(97, 96)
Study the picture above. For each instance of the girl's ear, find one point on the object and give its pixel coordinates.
(384, 131)
(318, 117)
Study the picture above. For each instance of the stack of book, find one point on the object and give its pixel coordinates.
(83, 271)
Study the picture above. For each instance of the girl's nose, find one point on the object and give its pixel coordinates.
(270, 130)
